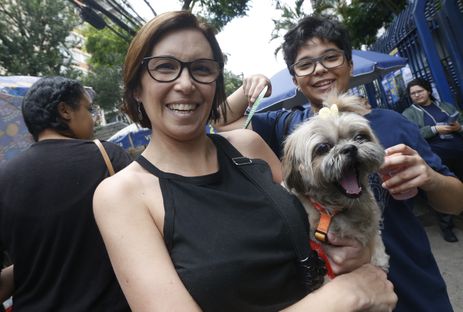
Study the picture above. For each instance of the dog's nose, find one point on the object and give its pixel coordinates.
(349, 150)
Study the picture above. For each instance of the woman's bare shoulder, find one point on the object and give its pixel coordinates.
(247, 142)
(126, 187)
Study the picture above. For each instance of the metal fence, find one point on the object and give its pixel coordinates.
(430, 34)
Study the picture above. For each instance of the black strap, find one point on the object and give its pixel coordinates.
(313, 266)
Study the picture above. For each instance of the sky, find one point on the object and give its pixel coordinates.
(245, 40)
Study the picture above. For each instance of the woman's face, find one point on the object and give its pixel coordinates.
(420, 95)
(180, 108)
(318, 84)
(81, 122)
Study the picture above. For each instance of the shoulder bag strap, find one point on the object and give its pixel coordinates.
(313, 266)
(106, 159)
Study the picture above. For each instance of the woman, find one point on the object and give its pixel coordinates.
(184, 228)
(445, 138)
(46, 217)
(318, 54)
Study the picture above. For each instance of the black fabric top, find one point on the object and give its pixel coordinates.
(48, 228)
(230, 246)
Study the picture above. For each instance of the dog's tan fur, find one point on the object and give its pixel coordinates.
(317, 155)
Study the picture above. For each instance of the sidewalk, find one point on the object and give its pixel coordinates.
(449, 256)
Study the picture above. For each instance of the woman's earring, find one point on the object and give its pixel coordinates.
(140, 115)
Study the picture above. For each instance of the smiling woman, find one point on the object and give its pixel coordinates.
(186, 227)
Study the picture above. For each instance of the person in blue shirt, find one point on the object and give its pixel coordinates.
(318, 54)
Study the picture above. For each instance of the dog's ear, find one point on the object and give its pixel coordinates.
(292, 175)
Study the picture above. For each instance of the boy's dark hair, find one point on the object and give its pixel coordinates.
(40, 105)
(326, 28)
(421, 83)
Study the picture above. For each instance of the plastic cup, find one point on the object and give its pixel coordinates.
(410, 193)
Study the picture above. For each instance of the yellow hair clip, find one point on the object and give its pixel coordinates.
(326, 112)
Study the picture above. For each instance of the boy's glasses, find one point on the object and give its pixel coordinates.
(168, 69)
(329, 60)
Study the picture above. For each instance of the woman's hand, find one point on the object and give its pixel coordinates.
(369, 289)
(364, 289)
(410, 170)
(345, 254)
(446, 129)
(253, 86)
(455, 126)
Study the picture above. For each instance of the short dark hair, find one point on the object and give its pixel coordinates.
(40, 104)
(326, 28)
(142, 44)
(421, 83)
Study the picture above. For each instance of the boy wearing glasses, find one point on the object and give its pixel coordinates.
(318, 54)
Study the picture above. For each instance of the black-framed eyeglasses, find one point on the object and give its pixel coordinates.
(329, 60)
(168, 69)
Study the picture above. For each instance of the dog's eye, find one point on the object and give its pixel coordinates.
(322, 148)
(362, 138)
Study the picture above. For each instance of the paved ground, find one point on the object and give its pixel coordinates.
(449, 257)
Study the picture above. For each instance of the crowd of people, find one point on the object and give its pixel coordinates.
(200, 221)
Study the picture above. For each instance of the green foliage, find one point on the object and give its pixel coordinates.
(106, 81)
(232, 82)
(33, 36)
(105, 47)
(363, 18)
(218, 12)
(107, 56)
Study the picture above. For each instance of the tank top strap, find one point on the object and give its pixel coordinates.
(310, 263)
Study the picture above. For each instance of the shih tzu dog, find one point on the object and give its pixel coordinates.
(326, 163)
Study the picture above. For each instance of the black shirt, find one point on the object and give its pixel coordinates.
(48, 228)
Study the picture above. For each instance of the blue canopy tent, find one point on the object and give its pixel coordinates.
(368, 66)
(14, 137)
(16, 85)
(132, 136)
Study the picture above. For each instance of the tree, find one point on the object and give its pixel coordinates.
(232, 82)
(33, 36)
(363, 18)
(107, 56)
(218, 12)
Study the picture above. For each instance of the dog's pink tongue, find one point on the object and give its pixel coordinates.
(349, 182)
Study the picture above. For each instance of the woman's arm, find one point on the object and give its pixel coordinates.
(125, 215)
(445, 193)
(6, 283)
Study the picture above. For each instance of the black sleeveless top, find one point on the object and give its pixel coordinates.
(230, 246)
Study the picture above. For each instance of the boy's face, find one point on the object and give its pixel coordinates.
(318, 84)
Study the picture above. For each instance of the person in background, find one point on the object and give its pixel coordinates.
(185, 228)
(318, 54)
(443, 135)
(46, 219)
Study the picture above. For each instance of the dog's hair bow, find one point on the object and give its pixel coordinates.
(326, 112)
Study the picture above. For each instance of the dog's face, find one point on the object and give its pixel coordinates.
(330, 158)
